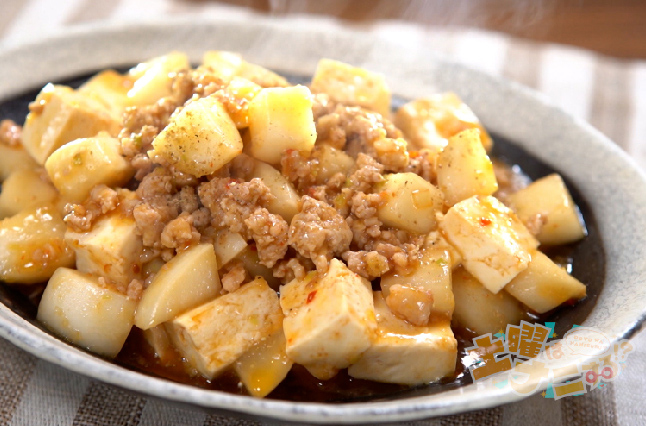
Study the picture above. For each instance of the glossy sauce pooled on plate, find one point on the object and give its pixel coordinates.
(235, 231)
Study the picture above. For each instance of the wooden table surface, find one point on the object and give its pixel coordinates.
(610, 27)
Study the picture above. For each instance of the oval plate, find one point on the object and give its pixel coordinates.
(602, 174)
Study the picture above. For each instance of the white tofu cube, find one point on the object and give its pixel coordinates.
(214, 335)
(403, 353)
(111, 249)
(65, 115)
(544, 285)
(78, 308)
(329, 319)
(494, 243)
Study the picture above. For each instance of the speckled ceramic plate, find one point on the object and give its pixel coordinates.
(529, 131)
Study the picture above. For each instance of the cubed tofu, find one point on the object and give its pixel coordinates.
(153, 80)
(78, 308)
(286, 198)
(403, 353)
(352, 85)
(463, 168)
(265, 365)
(429, 122)
(329, 319)
(78, 166)
(481, 311)
(186, 281)
(280, 119)
(25, 188)
(111, 249)
(33, 246)
(494, 243)
(409, 203)
(432, 275)
(199, 140)
(544, 285)
(550, 198)
(64, 115)
(213, 336)
(14, 158)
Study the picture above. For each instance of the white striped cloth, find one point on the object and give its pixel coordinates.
(609, 93)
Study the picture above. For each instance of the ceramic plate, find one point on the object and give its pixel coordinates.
(529, 131)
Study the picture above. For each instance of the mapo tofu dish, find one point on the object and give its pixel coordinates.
(246, 225)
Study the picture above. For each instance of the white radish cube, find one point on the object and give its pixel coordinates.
(78, 308)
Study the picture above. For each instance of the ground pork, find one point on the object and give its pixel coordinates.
(102, 200)
(292, 268)
(381, 258)
(269, 231)
(179, 233)
(422, 163)
(234, 274)
(165, 195)
(241, 207)
(10, 133)
(231, 201)
(319, 232)
(354, 129)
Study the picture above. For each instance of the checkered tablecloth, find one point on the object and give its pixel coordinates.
(608, 93)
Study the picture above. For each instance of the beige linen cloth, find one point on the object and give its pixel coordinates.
(610, 94)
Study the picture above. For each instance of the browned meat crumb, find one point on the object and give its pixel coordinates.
(269, 231)
(421, 163)
(10, 133)
(102, 200)
(535, 223)
(179, 233)
(413, 304)
(367, 172)
(295, 267)
(318, 232)
(135, 288)
(368, 264)
(231, 202)
(354, 129)
(234, 275)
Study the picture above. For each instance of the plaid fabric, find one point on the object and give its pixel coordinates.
(610, 94)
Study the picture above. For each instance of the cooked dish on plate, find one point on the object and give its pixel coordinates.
(219, 224)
